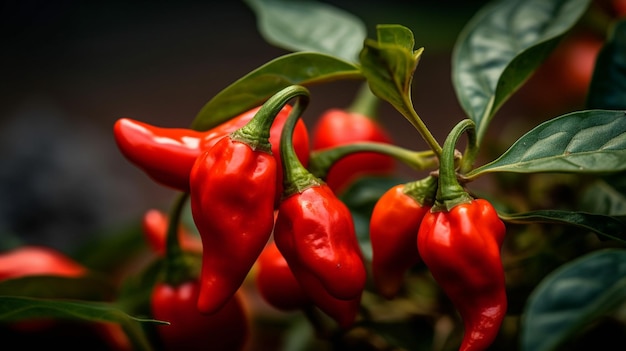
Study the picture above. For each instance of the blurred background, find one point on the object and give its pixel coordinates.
(70, 69)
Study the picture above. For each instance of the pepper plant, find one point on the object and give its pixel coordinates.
(310, 237)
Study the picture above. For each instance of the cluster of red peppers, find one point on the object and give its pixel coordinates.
(254, 201)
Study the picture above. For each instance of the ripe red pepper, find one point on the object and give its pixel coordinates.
(460, 240)
(461, 247)
(38, 260)
(168, 154)
(233, 194)
(394, 223)
(337, 127)
(315, 233)
(276, 283)
(226, 330)
(154, 227)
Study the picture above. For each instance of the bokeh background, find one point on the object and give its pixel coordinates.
(69, 69)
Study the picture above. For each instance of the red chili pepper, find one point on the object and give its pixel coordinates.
(462, 250)
(154, 226)
(233, 194)
(315, 233)
(38, 260)
(276, 283)
(225, 330)
(460, 240)
(339, 127)
(394, 223)
(168, 154)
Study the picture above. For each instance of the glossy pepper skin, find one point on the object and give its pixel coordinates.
(226, 330)
(338, 127)
(168, 154)
(315, 233)
(154, 227)
(233, 188)
(461, 247)
(394, 224)
(276, 283)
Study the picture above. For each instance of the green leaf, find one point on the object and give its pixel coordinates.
(389, 63)
(603, 225)
(17, 308)
(602, 197)
(580, 142)
(303, 68)
(571, 297)
(500, 48)
(310, 26)
(608, 85)
(83, 288)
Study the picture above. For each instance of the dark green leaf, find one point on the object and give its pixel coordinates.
(310, 26)
(389, 63)
(601, 197)
(603, 225)
(581, 142)
(608, 85)
(84, 288)
(303, 68)
(17, 308)
(501, 46)
(571, 297)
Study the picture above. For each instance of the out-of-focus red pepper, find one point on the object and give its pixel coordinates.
(337, 127)
(168, 154)
(276, 283)
(225, 330)
(35, 260)
(315, 233)
(154, 226)
(394, 223)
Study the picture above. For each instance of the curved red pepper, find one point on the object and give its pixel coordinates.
(232, 202)
(168, 154)
(394, 223)
(276, 283)
(226, 330)
(338, 127)
(461, 247)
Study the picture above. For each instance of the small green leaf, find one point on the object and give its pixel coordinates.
(501, 46)
(18, 308)
(580, 142)
(389, 64)
(603, 225)
(571, 297)
(608, 85)
(602, 197)
(310, 26)
(303, 68)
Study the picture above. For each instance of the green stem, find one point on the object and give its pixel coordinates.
(365, 103)
(177, 269)
(321, 160)
(296, 177)
(471, 151)
(450, 192)
(256, 132)
(412, 116)
(423, 191)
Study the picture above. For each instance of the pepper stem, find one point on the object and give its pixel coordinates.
(256, 132)
(176, 269)
(423, 190)
(296, 178)
(321, 160)
(450, 192)
(365, 103)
